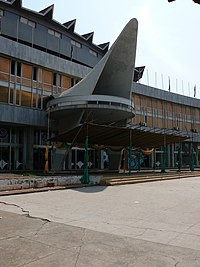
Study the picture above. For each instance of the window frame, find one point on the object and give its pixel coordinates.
(75, 43)
(28, 22)
(54, 33)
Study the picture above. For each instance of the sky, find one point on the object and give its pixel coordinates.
(168, 35)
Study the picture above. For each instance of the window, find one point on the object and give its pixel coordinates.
(72, 82)
(28, 22)
(54, 79)
(24, 20)
(93, 53)
(31, 23)
(50, 31)
(60, 81)
(12, 71)
(54, 33)
(1, 13)
(16, 66)
(77, 44)
(35, 73)
(57, 34)
(19, 69)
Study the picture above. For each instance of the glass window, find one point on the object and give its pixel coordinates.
(4, 91)
(13, 67)
(93, 53)
(35, 73)
(1, 13)
(4, 134)
(31, 23)
(50, 31)
(60, 81)
(77, 44)
(55, 33)
(28, 22)
(24, 20)
(54, 79)
(19, 69)
(36, 137)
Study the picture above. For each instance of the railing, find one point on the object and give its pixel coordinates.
(90, 101)
(29, 83)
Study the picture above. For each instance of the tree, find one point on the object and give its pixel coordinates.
(196, 1)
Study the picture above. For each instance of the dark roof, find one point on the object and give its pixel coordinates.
(143, 137)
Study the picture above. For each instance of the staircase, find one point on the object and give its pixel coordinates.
(144, 178)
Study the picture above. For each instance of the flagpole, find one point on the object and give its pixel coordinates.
(147, 77)
(182, 88)
(156, 79)
(195, 90)
(169, 89)
(189, 88)
(162, 81)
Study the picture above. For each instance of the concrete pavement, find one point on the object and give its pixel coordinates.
(152, 224)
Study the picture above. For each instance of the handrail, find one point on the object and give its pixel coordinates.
(98, 98)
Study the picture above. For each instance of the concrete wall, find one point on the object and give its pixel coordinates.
(146, 90)
(22, 115)
(37, 57)
(33, 182)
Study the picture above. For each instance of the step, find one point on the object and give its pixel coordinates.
(151, 175)
(133, 180)
(147, 177)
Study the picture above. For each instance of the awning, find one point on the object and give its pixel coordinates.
(144, 137)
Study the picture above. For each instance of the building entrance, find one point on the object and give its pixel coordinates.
(11, 149)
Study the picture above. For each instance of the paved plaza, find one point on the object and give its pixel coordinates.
(151, 224)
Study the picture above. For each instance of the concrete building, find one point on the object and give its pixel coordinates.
(43, 60)
(39, 57)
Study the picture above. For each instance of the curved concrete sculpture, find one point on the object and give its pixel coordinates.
(104, 95)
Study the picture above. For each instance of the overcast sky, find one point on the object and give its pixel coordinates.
(168, 35)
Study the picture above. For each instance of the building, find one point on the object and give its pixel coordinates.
(156, 108)
(41, 59)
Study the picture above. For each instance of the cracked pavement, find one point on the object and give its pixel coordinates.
(152, 224)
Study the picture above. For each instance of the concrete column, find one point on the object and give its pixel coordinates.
(100, 159)
(169, 155)
(173, 163)
(70, 160)
(28, 148)
(114, 158)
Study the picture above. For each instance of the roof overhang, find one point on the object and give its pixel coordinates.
(120, 136)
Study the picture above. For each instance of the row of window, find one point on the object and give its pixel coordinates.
(28, 22)
(16, 69)
(50, 31)
(54, 33)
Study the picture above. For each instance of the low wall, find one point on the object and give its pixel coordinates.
(7, 184)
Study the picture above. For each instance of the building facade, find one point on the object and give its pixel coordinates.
(41, 58)
(156, 108)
